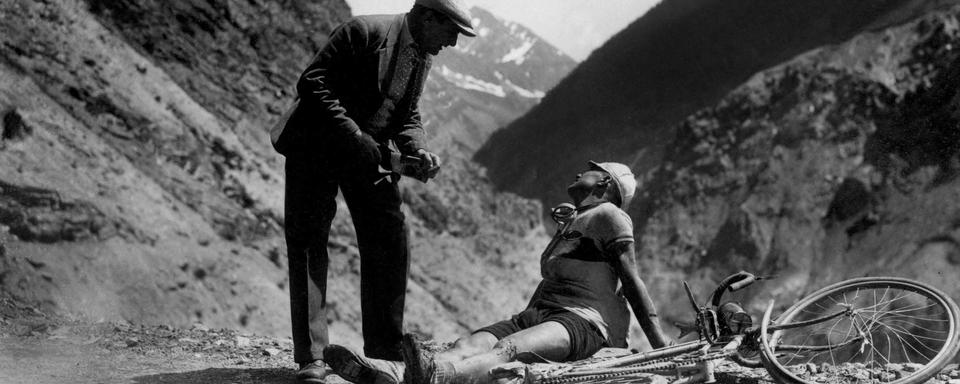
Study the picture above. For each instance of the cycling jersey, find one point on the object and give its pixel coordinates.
(578, 274)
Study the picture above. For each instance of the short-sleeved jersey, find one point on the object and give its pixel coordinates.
(579, 274)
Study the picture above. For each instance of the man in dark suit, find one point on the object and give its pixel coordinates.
(356, 115)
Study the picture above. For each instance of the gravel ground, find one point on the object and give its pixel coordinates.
(38, 348)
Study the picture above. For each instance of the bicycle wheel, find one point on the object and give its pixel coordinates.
(873, 329)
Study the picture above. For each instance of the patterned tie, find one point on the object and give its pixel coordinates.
(404, 66)
(406, 84)
(421, 65)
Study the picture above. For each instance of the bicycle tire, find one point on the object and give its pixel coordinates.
(944, 354)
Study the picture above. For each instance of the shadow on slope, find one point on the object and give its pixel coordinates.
(222, 376)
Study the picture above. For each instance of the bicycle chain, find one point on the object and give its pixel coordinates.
(645, 367)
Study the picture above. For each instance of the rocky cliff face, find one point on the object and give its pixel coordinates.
(839, 163)
(138, 183)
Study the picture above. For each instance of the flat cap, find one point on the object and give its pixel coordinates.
(455, 10)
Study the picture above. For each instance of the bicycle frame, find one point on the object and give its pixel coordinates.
(725, 331)
(715, 333)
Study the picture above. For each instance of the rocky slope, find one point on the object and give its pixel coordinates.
(623, 102)
(138, 183)
(839, 163)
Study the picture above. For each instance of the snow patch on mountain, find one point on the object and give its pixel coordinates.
(519, 54)
(523, 92)
(471, 83)
(475, 84)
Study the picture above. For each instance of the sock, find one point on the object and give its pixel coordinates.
(443, 372)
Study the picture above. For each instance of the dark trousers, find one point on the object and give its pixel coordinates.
(309, 208)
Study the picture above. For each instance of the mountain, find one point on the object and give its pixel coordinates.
(138, 182)
(503, 72)
(683, 55)
(839, 163)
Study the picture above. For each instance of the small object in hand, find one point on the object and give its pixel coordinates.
(433, 171)
(412, 166)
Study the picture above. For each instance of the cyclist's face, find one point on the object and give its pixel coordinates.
(584, 185)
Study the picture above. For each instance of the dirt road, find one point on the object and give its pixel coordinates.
(89, 355)
(39, 348)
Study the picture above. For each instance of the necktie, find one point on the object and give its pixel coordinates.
(417, 79)
(406, 84)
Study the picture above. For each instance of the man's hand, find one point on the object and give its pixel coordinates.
(367, 150)
(429, 163)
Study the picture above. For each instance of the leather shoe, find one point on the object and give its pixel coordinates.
(362, 370)
(313, 372)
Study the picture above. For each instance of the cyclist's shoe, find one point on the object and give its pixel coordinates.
(313, 372)
(421, 368)
(361, 370)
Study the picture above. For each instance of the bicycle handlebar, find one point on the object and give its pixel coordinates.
(734, 282)
(742, 283)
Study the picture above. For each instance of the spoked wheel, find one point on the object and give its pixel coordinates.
(863, 330)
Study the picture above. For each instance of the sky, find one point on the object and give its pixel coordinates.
(577, 27)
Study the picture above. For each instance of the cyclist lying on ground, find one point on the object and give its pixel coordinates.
(575, 311)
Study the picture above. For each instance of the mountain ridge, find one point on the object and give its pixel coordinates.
(679, 57)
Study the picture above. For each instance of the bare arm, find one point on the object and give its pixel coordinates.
(636, 292)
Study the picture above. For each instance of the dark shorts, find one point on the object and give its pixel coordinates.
(585, 338)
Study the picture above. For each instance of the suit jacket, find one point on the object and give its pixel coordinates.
(344, 85)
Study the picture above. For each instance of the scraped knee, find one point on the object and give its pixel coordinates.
(506, 348)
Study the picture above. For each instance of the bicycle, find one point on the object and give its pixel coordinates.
(872, 329)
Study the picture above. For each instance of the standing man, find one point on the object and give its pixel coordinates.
(355, 117)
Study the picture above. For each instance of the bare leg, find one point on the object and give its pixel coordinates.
(549, 340)
(467, 346)
(358, 368)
